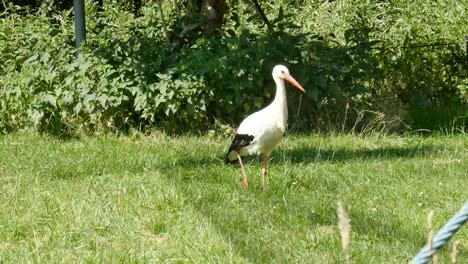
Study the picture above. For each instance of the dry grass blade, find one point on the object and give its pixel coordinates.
(379, 123)
(453, 255)
(345, 230)
(430, 236)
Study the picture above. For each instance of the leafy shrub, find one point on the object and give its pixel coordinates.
(47, 86)
(128, 76)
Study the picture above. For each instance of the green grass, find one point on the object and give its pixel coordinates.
(156, 198)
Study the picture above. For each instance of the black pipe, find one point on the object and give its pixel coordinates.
(80, 24)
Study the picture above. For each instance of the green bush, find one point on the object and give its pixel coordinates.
(46, 85)
(362, 57)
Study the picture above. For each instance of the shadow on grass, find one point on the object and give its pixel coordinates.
(233, 223)
(315, 155)
(378, 226)
(299, 217)
(312, 154)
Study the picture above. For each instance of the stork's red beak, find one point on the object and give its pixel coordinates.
(293, 81)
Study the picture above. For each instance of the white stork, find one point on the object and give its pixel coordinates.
(261, 131)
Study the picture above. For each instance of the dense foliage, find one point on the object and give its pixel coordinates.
(364, 65)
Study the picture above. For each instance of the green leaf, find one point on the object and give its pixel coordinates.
(349, 33)
(89, 97)
(77, 107)
(313, 92)
(280, 14)
(320, 80)
(335, 92)
(102, 99)
(67, 98)
(159, 100)
(31, 59)
(50, 99)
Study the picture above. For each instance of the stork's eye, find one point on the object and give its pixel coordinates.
(282, 71)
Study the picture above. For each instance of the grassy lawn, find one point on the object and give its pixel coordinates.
(156, 198)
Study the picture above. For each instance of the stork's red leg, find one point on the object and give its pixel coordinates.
(246, 179)
(264, 171)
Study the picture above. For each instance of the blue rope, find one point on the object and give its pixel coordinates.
(443, 236)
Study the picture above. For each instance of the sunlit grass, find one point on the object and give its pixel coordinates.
(158, 198)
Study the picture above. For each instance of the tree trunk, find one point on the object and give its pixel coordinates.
(201, 18)
(214, 11)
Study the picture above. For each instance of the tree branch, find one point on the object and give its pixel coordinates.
(166, 33)
(179, 14)
(262, 14)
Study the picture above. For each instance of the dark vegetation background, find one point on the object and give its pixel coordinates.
(366, 65)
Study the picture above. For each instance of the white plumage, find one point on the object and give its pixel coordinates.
(261, 131)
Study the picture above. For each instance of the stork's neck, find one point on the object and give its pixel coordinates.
(280, 103)
(280, 97)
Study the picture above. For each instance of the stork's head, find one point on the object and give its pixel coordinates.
(281, 72)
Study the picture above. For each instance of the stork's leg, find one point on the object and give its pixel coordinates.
(264, 171)
(246, 179)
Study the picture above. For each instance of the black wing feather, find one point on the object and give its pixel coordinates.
(239, 141)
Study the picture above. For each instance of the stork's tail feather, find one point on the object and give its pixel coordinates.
(239, 141)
